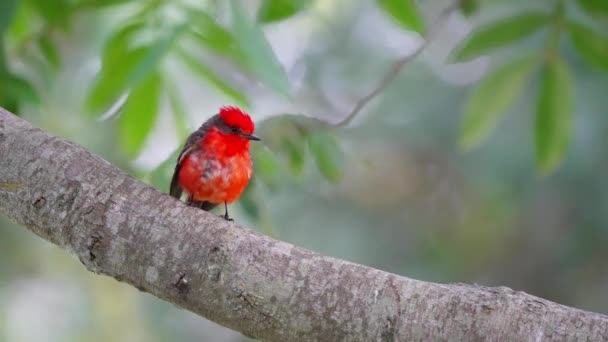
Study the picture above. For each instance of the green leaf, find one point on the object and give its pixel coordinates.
(160, 178)
(9, 104)
(328, 155)
(491, 98)
(101, 3)
(178, 110)
(125, 63)
(248, 201)
(500, 33)
(266, 166)
(49, 51)
(206, 73)
(119, 61)
(7, 10)
(276, 10)
(23, 23)
(214, 37)
(15, 88)
(56, 12)
(469, 7)
(404, 12)
(553, 115)
(590, 44)
(155, 50)
(295, 149)
(258, 52)
(595, 7)
(139, 114)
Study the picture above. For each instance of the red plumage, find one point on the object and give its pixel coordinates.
(214, 166)
(233, 116)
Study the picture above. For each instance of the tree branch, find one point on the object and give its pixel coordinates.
(396, 67)
(266, 289)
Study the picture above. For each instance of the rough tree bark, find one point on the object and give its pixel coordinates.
(263, 288)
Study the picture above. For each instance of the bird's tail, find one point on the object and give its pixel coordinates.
(206, 206)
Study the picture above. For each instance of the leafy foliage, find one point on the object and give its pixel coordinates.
(16, 87)
(492, 97)
(292, 137)
(133, 63)
(49, 51)
(592, 45)
(553, 115)
(597, 8)
(214, 37)
(258, 53)
(469, 7)
(327, 154)
(498, 90)
(276, 10)
(127, 61)
(267, 166)
(13, 88)
(403, 12)
(499, 34)
(7, 9)
(140, 113)
(206, 73)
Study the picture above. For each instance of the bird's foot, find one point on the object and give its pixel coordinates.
(225, 216)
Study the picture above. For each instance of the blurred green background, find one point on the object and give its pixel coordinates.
(419, 183)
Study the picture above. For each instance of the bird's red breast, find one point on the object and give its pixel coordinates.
(219, 170)
(215, 166)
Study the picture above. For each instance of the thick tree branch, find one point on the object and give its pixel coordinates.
(266, 289)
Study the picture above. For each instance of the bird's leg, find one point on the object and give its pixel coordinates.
(226, 217)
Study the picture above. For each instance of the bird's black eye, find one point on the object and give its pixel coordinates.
(234, 129)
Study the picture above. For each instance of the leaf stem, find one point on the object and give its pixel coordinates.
(552, 46)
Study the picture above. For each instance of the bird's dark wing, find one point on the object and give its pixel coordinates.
(175, 189)
(192, 144)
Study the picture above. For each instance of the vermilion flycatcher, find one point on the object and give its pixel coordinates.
(214, 166)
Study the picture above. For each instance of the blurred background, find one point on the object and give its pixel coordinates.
(483, 161)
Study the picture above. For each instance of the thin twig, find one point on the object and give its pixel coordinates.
(394, 70)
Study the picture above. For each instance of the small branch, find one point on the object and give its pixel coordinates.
(264, 288)
(396, 67)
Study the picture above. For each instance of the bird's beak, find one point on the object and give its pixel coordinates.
(251, 137)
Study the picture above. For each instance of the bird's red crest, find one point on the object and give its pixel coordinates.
(233, 116)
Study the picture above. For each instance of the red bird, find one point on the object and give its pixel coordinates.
(214, 166)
